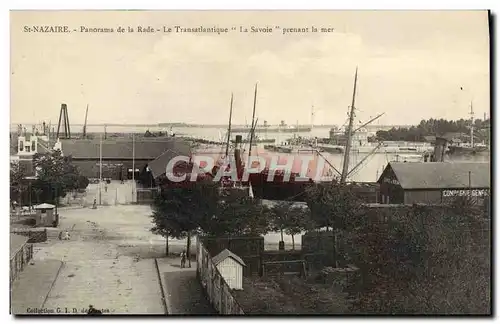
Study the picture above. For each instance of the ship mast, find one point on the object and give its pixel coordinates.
(345, 166)
(85, 124)
(312, 117)
(253, 121)
(229, 127)
(471, 126)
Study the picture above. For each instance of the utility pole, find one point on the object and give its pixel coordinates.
(133, 165)
(345, 166)
(100, 169)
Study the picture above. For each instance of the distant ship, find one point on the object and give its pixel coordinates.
(275, 129)
(257, 140)
(470, 148)
(466, 149)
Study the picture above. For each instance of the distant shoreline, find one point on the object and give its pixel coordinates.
(197, 125)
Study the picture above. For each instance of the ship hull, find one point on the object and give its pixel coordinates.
(454, 150)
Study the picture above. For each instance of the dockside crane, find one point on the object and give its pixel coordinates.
(64, 122)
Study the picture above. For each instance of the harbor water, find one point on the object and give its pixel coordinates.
(369, 170)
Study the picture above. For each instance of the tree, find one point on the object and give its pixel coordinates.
(289, 219)
(428, 260)
(333, 205)
(180, 211)
(237, 214)
(16, 185)
(297, 219)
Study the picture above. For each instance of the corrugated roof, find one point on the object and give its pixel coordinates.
(441, 175)
(120, 148)
(159, 165)
(226, 254)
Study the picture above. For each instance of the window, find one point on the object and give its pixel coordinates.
(21, 146)
(27, 148)
(33, 146)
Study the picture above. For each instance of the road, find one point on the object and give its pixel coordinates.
(108, 262)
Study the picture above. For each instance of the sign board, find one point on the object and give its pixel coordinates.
(461, 193)
(391, 181)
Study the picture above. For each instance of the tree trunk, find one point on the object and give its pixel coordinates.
(293, 242)
(166, 245)
(188, 253)
(282, 240)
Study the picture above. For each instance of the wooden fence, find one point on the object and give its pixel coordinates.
(214, 285)
(19, 260)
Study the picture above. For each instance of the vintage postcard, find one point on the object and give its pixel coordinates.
(250, 163)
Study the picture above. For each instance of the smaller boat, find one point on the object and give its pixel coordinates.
(257, 140)
(408, 158)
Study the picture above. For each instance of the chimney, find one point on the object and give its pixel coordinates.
(439, 149)
(237, 153)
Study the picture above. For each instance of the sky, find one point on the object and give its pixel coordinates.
(412, 65)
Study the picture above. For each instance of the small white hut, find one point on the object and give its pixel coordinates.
(230, 267)
(45, 214)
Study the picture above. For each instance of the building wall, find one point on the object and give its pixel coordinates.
(391, 191)
(444, 195)
(232, 272)
(422, 196)
(110, 168)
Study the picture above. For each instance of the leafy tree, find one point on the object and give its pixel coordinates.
(237, 214)
(426, 261)
(56, 175)
(16, 185)
(434, 127)
(83, 182)
(333, 205)
(181, 211)
(297, 223)
(289, 219)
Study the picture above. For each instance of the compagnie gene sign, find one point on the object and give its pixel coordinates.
(472, 193)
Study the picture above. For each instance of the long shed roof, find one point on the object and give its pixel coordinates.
(441, 175)
(123, 148)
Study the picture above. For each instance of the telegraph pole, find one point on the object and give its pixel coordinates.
(100, 169)
(133, 165)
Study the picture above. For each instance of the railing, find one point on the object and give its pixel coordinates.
(34, 235)
(18, 261)
(214, 285)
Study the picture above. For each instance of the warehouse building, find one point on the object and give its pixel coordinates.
(119, 156)
(433, 182)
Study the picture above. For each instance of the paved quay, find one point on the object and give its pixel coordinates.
(183, 292)
(109, 262)
(31, 288)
